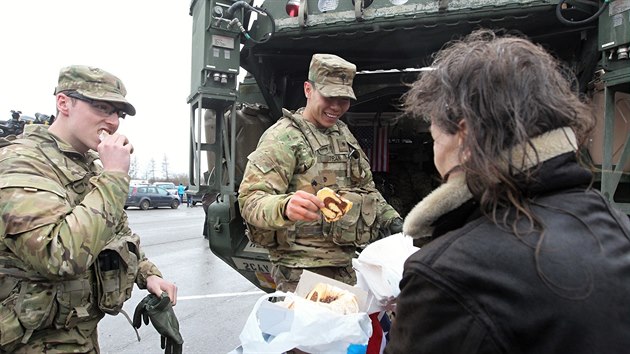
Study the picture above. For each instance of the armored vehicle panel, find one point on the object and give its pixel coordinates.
(390, 41)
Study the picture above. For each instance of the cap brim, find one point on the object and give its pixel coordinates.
(336, 91)
(111, 97)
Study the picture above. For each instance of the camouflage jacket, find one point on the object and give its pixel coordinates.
(61, 215)
(294, 155)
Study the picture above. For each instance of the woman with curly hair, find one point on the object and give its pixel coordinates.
(518, 253)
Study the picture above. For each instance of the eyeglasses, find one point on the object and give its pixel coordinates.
(101, 107)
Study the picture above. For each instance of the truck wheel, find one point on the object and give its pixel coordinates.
(175, 204)
(144, 205)
(194, 203)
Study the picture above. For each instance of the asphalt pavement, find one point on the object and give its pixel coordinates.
(213, 299)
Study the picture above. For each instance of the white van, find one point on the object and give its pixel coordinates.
(139, 182)
(169, 186)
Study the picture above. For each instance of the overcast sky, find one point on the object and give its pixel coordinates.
(146, 43)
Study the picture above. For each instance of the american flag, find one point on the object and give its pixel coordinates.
(373, 140)
(380, 333)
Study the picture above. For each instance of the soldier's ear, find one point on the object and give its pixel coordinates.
(63, 103)
(308, 88)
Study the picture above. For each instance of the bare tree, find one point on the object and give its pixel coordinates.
(150, 175)
(133, 167)
(165, 167)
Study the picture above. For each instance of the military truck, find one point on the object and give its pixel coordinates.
(15, 125)
(390, 41)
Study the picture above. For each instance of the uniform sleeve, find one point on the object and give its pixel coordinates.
(46, 232)
(430, 318)
(263, 193)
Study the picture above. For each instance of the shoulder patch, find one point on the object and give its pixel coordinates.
(262, 161)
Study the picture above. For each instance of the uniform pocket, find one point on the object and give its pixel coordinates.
(116, 270)
(10, 328)
(367, 227)
(344, 231)
(261, 237)
(73, 299)
(358, 226)
(37, 305)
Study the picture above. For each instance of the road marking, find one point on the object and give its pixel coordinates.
(212, 296)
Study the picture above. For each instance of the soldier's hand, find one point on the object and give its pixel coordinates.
(159, 311)
(396, 226)
(114, 151)
(303, 206)
(393, 226)
(157, 285)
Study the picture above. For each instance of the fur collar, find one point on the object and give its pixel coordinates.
(419, 223)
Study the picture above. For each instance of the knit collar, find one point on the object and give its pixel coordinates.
(420, 222)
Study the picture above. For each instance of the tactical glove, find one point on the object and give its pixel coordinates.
(393, 226)
(160, 311)
(396, 226)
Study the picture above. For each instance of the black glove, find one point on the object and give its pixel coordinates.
(395, 226)
(160, 311)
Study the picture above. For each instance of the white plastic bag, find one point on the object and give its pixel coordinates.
(380, 267)
(314, 329)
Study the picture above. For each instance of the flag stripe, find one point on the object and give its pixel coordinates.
(376, 340)
(379, 158)
(374, 142)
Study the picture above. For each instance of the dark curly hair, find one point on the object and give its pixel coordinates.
(508, 90)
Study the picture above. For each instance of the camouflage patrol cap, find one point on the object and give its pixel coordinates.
(94, 83)
(332, 75)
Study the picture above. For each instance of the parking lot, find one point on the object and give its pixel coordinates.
(213, 300)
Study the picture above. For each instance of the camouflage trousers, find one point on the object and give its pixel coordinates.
(80, 339)
(286, 278)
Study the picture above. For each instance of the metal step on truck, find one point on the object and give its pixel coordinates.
(390, 41)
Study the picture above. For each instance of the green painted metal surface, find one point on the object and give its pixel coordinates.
(388, 40)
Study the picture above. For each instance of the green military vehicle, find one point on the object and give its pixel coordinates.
(15, 125)
(390, 41)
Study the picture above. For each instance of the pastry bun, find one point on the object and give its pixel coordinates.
(334, 298)
(335, 206)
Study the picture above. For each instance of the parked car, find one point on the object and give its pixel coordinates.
(169, 186)
(196, 198)
(145, 197)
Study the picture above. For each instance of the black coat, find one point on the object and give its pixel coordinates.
(478, 288)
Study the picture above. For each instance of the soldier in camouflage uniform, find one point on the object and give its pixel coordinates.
(303, 152)
(67, 255)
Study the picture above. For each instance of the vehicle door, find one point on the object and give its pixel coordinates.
(162, 197)
(130, 195)
(135, 195)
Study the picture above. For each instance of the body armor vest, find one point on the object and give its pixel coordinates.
(334, 155)
(341, 165)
